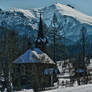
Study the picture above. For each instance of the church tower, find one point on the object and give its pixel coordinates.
(41, 41)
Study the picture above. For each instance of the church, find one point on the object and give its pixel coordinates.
(35, 68)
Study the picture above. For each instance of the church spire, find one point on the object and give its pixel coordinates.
(40, 32)
(41, 40)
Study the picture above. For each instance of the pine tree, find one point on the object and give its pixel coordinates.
(81, 64)
(24, 43)
(83, 31)
(9, 52)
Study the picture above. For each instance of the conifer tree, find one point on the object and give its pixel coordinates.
(9, 52)
(84, 61)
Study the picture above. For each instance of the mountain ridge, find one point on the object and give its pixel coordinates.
(25, 22)
(29, 19)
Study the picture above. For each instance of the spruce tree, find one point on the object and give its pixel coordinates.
(9, 52)
(84, 61)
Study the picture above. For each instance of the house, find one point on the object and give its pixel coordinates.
(89, 69)
(75, 70)
(66, 72)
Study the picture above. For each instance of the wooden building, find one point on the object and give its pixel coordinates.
(34, 69)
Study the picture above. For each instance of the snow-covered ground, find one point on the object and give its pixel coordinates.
(83, 88)
(24, 90)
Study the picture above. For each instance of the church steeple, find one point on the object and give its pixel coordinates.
(40, 31)
(41, 40)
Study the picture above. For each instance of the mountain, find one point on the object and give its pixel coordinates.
(81, 5)
(25, 22)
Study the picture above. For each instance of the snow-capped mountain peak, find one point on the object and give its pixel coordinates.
(69, 11)
(26, 21)
(27, 13)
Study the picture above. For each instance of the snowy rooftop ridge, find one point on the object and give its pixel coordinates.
(34, 56)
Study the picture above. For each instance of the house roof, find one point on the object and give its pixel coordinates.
(34, 56)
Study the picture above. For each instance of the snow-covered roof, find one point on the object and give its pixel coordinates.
(80, 71)
(34, 56)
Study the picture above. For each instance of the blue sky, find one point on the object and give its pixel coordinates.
(84, 6)
(24, 3)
